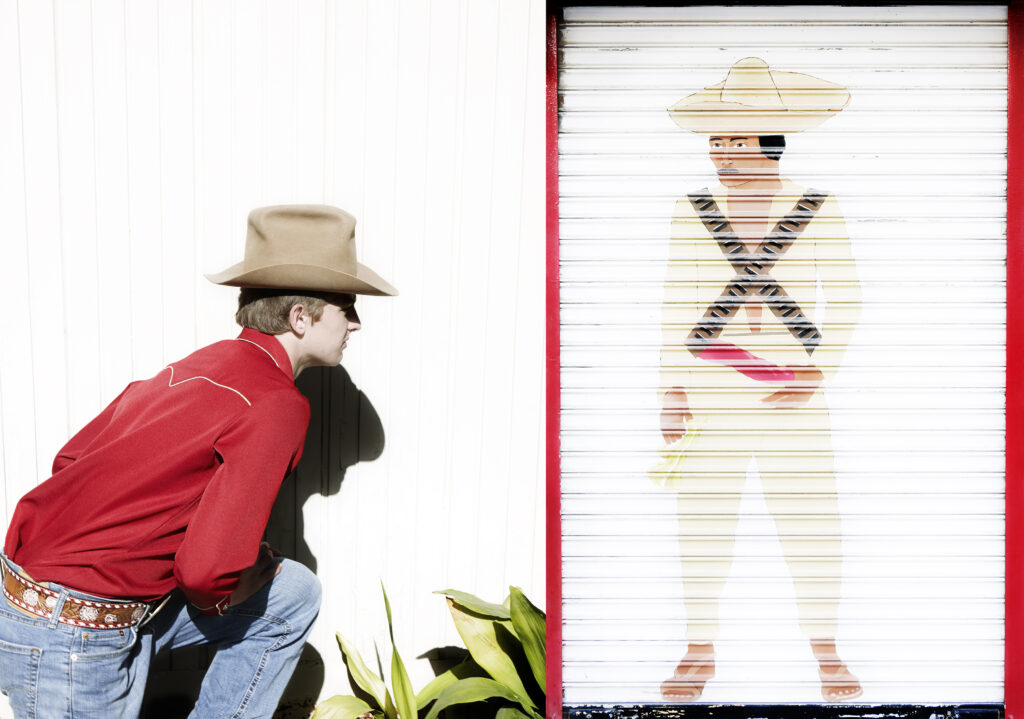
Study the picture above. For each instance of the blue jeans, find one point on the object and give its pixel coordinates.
(51, 670)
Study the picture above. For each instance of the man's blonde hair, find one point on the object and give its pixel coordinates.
(267, 310)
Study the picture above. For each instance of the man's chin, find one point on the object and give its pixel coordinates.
(734, 180)
(730, 180)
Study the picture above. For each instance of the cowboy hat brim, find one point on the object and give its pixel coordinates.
(298, 277)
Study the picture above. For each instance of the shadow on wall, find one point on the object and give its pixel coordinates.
(344, 429)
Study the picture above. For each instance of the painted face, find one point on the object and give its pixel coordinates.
(327, 337)
(738, 159)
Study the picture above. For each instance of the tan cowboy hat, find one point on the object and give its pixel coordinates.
(302, 247)
(756, 100)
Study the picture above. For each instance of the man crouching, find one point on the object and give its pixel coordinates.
(147, 535)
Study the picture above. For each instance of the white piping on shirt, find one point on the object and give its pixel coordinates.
(242, 339)
(172, 383)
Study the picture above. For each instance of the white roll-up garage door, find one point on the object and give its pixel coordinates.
(868, 511)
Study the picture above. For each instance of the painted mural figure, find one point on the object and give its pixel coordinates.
(747, 348)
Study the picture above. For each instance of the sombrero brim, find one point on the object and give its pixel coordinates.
(713, 118)
(314, 278)
(794, 102)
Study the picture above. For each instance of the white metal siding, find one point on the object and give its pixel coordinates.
(136, 135)
(917, 161)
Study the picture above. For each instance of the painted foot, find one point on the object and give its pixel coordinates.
(838, 684)
(687, 682)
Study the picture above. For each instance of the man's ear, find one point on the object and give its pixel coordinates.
(298, 319)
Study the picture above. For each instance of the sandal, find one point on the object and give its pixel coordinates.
(839, 685)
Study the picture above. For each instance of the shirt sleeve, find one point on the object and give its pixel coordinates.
(81, 441)
(256, 452)
(840, 286)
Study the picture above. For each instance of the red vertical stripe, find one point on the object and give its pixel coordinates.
(554, 394)
(1014, 679)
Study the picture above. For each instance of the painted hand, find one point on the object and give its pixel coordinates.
(807, 380)
(675, 413)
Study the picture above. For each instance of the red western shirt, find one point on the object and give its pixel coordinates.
(172, 484)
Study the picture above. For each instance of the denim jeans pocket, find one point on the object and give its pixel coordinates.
(19, 674)
(103, 671)
(101, 644)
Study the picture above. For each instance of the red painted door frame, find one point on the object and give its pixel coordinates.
(553, 525)
(1014, 617)
(1014, 614)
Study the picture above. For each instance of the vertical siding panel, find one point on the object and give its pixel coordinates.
(77, 208)
(281, 104)
(381, 206)
(113, 276)
(310, 108)
(177, 177)
(502, 299)
(433, 307)
(17, 407)
(145, 206)
(249, 82)
(43, 229)
(470, 467)
(418, 547)
(220, 229)
(525, 491)
(348, 111)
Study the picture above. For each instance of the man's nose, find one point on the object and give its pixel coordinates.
(353, 319)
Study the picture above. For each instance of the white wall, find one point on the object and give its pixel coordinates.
(135, 136)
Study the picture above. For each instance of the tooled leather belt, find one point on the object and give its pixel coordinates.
(41, 601)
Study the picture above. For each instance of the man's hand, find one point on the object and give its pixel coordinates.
(675, 414)
(797, 393)
(252, 579)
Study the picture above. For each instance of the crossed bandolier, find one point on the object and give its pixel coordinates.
(753, 269)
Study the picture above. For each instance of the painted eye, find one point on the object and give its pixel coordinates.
(740, 144)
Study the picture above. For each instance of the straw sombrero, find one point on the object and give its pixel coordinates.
(302, 247)
(756, 100)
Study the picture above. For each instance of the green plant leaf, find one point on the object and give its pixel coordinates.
(341, 707)
(389, 706)
(480, 635)
(442, 681)
(530, 625)
(513, 713)
(405, 697)
(474, 689)
(475, 604)
(366, 679)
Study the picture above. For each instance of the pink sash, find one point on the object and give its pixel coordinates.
(746, 363)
